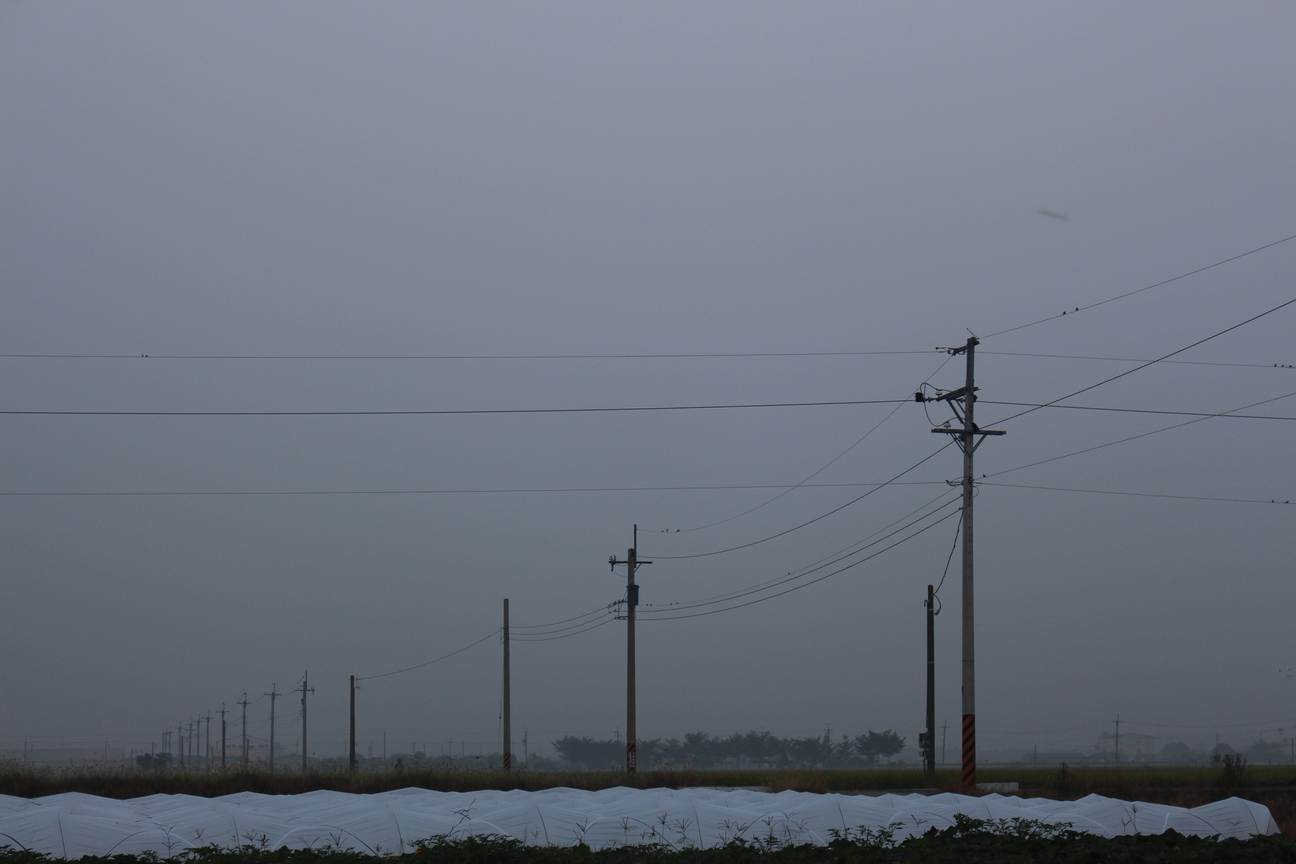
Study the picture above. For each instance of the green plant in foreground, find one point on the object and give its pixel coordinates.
(968, 841)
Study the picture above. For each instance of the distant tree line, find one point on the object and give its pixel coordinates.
(739, 750)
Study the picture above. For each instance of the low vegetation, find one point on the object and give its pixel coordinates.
(969, 841)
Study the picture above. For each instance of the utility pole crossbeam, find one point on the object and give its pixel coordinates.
(507, 705)
(968, 438)
(632, 600)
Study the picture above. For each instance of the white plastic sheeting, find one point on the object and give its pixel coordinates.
(74, 825)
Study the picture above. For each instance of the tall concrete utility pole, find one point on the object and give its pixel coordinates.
(351, 762)
(304, 691)
(508, 708)
(207, 762)
(180, 743)
(272, 694)
(968, 438)
(632, 563)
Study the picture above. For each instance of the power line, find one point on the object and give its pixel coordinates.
(1202, 414)
(1138, 494)
(816, 473)
(958, 529)
(1151, 362)
(531, 490)
(664, 608)
(430, 662)
(815, 566)
(858, 544)
(593, 626)
(1140, 360)
(450, 412)
(1196, 419)
(1145, 288)
(681, 356)
(812, 581)
(1211, 725)
(811, 521)
(581, 621)
(537, 627)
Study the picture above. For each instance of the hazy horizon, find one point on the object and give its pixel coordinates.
(252, 235)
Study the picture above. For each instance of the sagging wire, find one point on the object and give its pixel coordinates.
(820, 470)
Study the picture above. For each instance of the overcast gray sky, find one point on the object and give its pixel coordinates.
(223, 187)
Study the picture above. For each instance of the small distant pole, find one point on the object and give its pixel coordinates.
(304, 691)
(209, 750)
(508, 709)
(352, 761)
(272, 694)
(244, 703)
(180, 743)
(1117, 739)
(222, 713)
(929, 737)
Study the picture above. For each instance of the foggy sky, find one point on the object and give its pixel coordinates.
(501, 181)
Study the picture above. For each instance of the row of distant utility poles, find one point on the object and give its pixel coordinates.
(194, 727)
(968, 436)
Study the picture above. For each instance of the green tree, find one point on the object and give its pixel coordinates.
(878, 745)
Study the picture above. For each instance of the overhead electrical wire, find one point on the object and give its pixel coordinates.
(1201, 414)
(446, 412)
(958, 529)
(662, 356)
(1196, 419)
(537, 490)
(863, 540)
(814, 474)
(1209, 725)
(827, 560)
(1150, 362)
(494, 632)
(982, 352)
(580, 621)
(1271, 501)
(809, 522)
(593, 626)
(1078, 309)
(798, 587)
(666, 608)
(551, 624)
